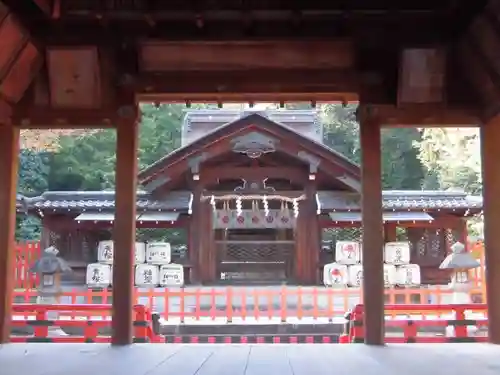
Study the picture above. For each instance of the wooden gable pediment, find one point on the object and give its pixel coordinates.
(252, 135)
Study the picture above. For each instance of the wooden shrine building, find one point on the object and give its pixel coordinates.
(88, 63)
(267, 160)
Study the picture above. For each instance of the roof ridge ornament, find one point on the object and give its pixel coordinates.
(254, 144)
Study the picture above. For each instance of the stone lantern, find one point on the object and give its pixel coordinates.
(459, 262)
(50, 267)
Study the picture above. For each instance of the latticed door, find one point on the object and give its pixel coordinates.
(254, 261)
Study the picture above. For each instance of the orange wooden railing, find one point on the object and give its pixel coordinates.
(244, 303)
(90, 319)
(411, 327)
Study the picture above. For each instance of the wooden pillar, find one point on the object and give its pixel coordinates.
(9, 150)
(490, 139)
(390, 234)
(300, 236)
(194, 234)
(373, 232)
(206, 246)
(463, 233)
(313, 233)
(124, 230)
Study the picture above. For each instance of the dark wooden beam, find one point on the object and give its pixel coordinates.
(32, 117)
(424, 115)
(426, 28)
(211, 175)
(252, 85)
(223, 56)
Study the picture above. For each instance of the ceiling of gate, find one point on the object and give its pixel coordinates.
(75, 62)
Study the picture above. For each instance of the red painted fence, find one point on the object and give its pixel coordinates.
(411, 327)
(95, 318)
(27, 253)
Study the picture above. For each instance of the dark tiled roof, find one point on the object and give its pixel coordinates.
(105, 200)
(179, 200)
(404, 200)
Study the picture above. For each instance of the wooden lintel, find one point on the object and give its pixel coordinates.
(46, 117)
(251, 85)
(423, 115)
(210, 175)
(223, 56)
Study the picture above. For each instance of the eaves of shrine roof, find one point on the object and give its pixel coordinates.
(405, 200)
(74, 201)
(255, 122)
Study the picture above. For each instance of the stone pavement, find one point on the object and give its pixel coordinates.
(260, 359)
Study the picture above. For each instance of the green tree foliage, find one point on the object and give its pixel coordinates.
(454, 157)
(87, 162)
(33, 172)
(401, 167)
(32, 180)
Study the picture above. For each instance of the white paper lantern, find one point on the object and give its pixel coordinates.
(390, 278)
(347, 252)
(335, 274)
(355, 275)
(98, 275)
(171, 275)
(140, 252)
(146, 275)
(408, 275)
(158, 253)
(397, 253)
(105, 252)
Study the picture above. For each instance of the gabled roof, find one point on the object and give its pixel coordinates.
(414, 200)
(255, 122)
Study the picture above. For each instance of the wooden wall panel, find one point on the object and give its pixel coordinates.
(74, 77)
(220, 56)
(422, 76)
(474, 71)
(12, 41)
(20, 76)
(486, 39)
